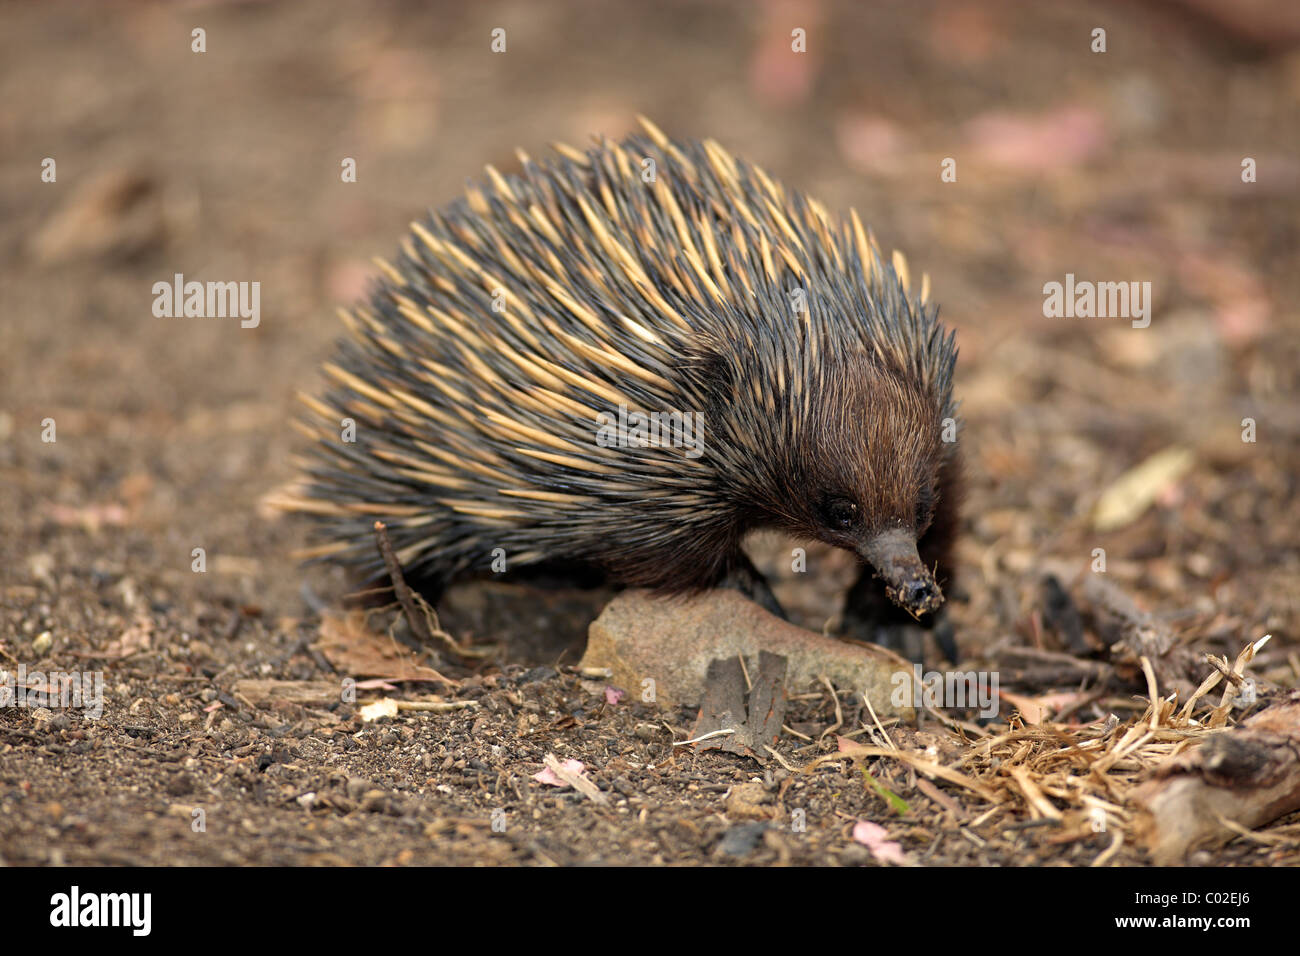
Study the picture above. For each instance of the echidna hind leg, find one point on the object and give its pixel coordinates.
(559, 573)
(544, 575)
(749, 581)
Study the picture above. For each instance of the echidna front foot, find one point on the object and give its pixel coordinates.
(869, 615)
(749, 581)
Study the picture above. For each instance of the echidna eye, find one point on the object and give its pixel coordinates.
(841, 514)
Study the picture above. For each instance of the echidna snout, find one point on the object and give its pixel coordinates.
(908, 583)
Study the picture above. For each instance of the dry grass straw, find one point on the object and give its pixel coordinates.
(1074, 780)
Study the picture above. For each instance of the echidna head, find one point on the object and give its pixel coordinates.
(868, 478)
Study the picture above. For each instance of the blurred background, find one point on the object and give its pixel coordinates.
(225, 165)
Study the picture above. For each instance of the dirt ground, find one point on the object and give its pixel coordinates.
(1115, 166)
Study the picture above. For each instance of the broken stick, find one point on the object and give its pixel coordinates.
(419, 626)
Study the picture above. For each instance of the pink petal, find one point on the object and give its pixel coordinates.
(875, 838)
(547, 775)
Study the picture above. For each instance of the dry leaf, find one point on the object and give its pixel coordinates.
(549, 777)
(1061, 138)
(1133, 492)
(354, 649)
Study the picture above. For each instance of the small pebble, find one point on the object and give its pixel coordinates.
(741, 839)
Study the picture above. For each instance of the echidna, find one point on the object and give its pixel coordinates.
(491, 373)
